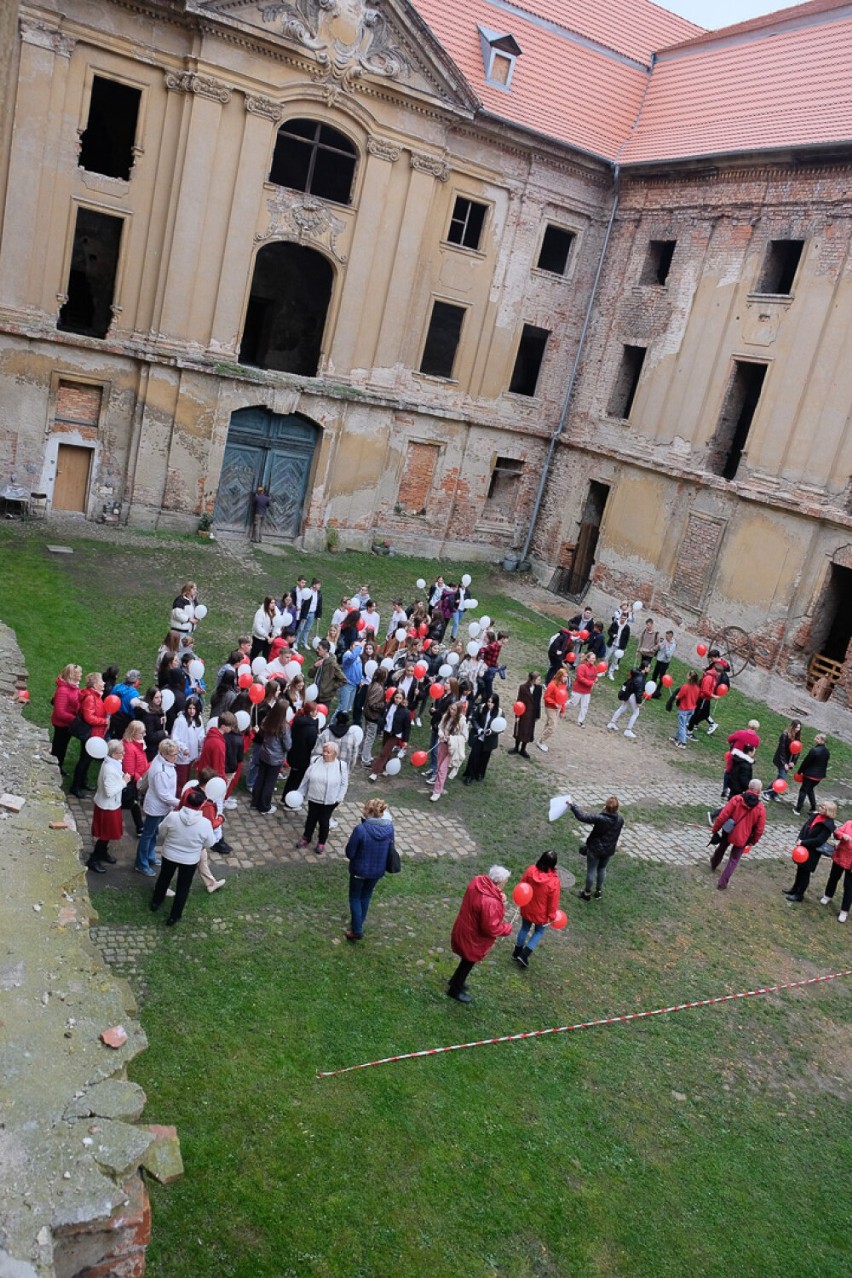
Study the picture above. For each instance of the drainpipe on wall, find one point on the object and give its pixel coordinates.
(563, 417)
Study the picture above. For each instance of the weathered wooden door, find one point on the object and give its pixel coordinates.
(71, 486)
(271, 450)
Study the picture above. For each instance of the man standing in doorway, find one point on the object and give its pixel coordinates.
(259, 511)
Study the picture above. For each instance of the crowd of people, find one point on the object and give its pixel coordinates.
(309, 703)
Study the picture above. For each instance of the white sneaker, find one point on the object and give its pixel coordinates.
(220, 883)
(712, 729)
(374, 776)
(542, 746)
(433, 798)
(825, 900)
(332, 825)
(842, 916)
(269, 810)
(610, 675)
(418, 723)
(612, 727)
(230, 804)
(631, 735)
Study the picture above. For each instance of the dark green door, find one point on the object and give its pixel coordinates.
(272, 450)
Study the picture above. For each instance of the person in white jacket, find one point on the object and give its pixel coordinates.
(107, 819)
(186, 833)
(324, 785)
(160, 799)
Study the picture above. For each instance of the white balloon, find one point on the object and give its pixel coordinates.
(356, 733)
(243, 720)
(392, 767)
(485, 621)
(294, 799)
(291, 669)
(638, 606)
(321, 720)
(387, 663)
(474, 629)
(465, 581)
(315, 642)
(370, 668)
(291, 714)
(168, 699)
(650, 687)
(311, 692)
(400, 634)
(471, 603)
(420, 583)
(196, 669)
(473, 648)
(200, 612)
(498, 724)
(96, 748)
(445, 671)
(258, 666)
(452, 658)
(215, 789)
(213, 721)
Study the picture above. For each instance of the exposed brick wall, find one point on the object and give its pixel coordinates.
(78, 404)
(695, 559)
(417, 477)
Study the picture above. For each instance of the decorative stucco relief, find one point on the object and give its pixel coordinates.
(301, 217)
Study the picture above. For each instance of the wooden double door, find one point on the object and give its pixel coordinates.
(271, 450)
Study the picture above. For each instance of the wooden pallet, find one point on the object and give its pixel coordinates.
(820, 667)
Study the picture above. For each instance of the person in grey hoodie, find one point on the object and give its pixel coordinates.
(367, 852)
(185, 833)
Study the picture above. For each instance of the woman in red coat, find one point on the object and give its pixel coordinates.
(479, 923)
(95, 719)
(841, 866)
(66, 703)
(541, 910)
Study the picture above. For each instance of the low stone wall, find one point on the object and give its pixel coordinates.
(73, 1202)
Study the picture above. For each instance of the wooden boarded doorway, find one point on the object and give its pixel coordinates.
(71, 486)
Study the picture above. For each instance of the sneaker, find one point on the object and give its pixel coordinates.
(581, 725)
(148, 871)
(460, 996)
(418, 724)
(353, 936)
(319, 849)
(825, 900)
(690, 736)
(721, 886)
(373, 776)
(303, 843)
(598, 895)
(333, 825)
(793, 898)
(610, 675)
(712, 729)
(269, 811)
(843, 916)
(544, 749)
(433, 798)
(680, 745)
(612, 727)
(230, 804)
(631, 736)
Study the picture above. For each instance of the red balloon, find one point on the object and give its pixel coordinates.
(779, 786)
(245, 681)
(420, 669)
(519, 708)
(722, 690)
(561, 696)
(666, 680)
(701, 649)
(321, 709)
(419, 757)
(362, 625)
(389, 693)
(423, 630)
(646, 696)
(437, 691)
(522, 894)
(297, 656)
(601, 669)
(798, 778)
(427, 643)
(112, 703)
(584, 634)
(795, 747)
(256, 693)
(571, 657)
(559, 920)
(747, 848)
(800, 854)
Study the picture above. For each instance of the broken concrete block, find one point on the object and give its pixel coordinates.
(120, 1147)
(115, 1037)
(115, 1098)
(12, 802)
(162, 1158)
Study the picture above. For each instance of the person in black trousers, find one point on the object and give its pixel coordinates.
(815, 835)
(483, 740)
(813, 768)
(600, 845)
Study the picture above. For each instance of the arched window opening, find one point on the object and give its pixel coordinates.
(313, 157)
(288, 303)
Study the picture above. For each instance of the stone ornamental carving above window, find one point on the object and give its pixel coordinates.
(263, 106)
(302, 218)
(347, 37)
(430, 164)
(382, 149)
(203, 86)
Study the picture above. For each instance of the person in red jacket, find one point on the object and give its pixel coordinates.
(135, 765)
(585, 678)
(706, 696)
(479, 923)
(95, 719)
(841, 865)
(748, 816)
(213, 751)
(686, 699)
(541, 910)
(66, 703)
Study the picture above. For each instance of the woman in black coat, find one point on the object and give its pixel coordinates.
(601, 843)
(396, 723)
(813, 769)
(170, 676)
(529, 695)
(783, 758)
(150, 712)
(304, 731)
(815, 835)
(483, 741)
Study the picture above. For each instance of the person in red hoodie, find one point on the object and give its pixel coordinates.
(841, 867)
(748, 821)
(707, 694)
(585, 678)
(66, 703)
(479, 923)
(541, 910)
(95, 719)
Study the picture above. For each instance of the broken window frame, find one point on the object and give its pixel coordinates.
(553, 229)
(658, 262)
(79, 209)
(447, 376)
(774, 274)
(461, 219)
(501, 499)
(531, 345)
(727, 445)
(348, 152)
(133, 147)
(624, 389)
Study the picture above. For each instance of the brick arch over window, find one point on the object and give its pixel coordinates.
(313, 157)
(288, 304)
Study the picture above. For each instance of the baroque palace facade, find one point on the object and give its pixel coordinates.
(555, 280)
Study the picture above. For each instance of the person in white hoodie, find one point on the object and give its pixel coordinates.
(107, 819)
(160, 798)
(186, 833)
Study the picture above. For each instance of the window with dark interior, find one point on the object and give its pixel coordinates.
(626, 381)
(106, 144)
(312, 157)
(91, 279)
(287, 309)
(658, 261)
(741, 401)
(528, 360)
(442, 340)
(466, 223)
(779, 266)
(555, 250)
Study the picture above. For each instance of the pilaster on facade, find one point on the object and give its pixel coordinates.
(40, 32)
(204, 86)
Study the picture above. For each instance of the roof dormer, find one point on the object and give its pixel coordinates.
(499, 54)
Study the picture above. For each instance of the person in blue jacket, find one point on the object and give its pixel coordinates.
(367, 851)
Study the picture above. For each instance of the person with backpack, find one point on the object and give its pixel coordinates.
(631, 696)
(740, 823)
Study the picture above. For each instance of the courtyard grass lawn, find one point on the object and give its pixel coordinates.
(702, 1143)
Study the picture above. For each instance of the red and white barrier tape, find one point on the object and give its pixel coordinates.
(566, 1029)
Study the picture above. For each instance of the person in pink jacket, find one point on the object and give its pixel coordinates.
(841, 867)
(541, 910)
(66, 703)
(479, 923)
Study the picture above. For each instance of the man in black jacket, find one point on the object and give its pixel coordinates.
(631, 697)
(813, 769)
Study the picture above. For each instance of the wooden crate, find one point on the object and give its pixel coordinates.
(819, 667)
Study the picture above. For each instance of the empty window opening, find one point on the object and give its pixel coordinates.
(831, 631)
(91, 279)
(740, 405)
(528, 360)
(311, 156)
(106, 144)
(503, 487)
(442, 340)
(555, 250)
(626, 382)
(779, 266)
(288, 303)
(658, 261)
(466, 223)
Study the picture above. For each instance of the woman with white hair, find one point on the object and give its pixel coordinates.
(106, 819)
(324, 785)
(478, 925)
